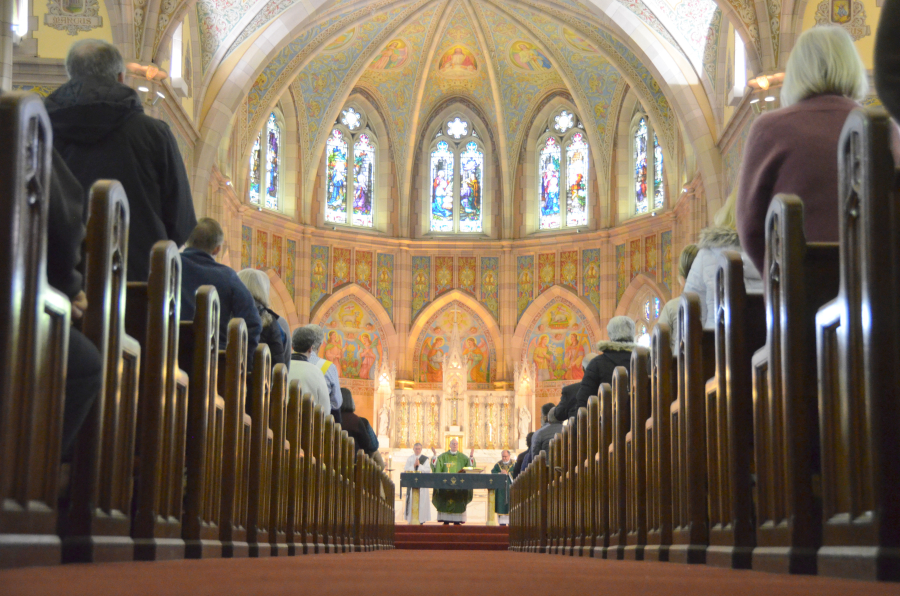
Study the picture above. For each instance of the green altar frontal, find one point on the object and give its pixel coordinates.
(491, 482)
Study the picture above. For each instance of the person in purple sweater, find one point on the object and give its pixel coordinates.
(794, 150)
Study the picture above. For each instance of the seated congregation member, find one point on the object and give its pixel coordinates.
(613, 353)
(541, 439)
(887, 57)
(501, 499)
(272, 334)
(794, 149)
(669, 313)
(568, 404)
(536, 437)
(418, 462)
(101, 131)
(65, 233)
(524, 458)
(357, 427)
(713, 241)
(312, 381)
(330, 371)
(199, 267)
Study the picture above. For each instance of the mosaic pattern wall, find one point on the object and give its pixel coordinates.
(318, 274)
(546, 272)
(557, 341)
(477, 345)
(635, 251)
(364, 264)
(568, 270)
(524, 283)
(490, 281)
(665, 251)
(340, 268)
(277, 249)
(466, 274)
(262, 249)
(290, 266)
(590, 267)
(421, 283)
(246, 246)
(622, 279)
(443, 275)
(650, 256)
(353, 339)
(385, 283)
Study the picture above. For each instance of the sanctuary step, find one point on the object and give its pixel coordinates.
(441, 537)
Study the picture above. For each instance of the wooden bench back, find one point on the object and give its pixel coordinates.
(659, 444)
(233, 386)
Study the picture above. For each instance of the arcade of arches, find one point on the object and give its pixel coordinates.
(479, 184)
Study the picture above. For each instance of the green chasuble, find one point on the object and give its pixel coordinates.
(450, 501)
(502, 500)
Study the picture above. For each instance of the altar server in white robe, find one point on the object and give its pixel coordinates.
(417, 462)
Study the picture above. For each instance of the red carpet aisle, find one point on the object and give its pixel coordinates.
(441, 537)
(423, 573)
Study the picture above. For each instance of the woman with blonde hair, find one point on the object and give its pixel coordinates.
(714, 240)
(794, 149)
(275, 331)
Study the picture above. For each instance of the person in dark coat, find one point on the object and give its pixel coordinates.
(541, 439)
(524, 458)
(357, 427)
(101, 131)
(613, 353)
(568, 405)
(272, 333)
(887, 57)
(199, 267)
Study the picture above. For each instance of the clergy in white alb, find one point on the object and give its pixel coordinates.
(418, 462)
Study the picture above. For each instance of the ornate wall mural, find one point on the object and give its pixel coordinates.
(319, 274)
(557, 340)
(340, 269)
(466, 274)
(665, 251)
(393, 57)
(524, 283)
(650, 256)
(590, 267)
(262, 249)
(364, 265)
(246, 246)
(622, 279)
(385, 283)
(290, 266)
(568, 270)
(490, 280)
(354, 339)
(546, 272)
(477, 345)
(277, 250)
(443, 275)
(421, 284)
(849, 14)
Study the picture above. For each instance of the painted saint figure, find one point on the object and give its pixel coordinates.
(474, 354)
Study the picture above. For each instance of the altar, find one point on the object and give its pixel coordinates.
(491, 482)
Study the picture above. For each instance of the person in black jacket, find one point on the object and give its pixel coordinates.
(887, 57)
(199, 267)
(357, 427)
(568, 405)
(523, 458)
(613, 353)
(272, 333)
(101, 131)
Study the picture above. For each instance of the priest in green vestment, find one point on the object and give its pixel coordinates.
(501, 501)
(451, 504)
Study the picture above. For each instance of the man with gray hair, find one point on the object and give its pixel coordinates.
(101, 131)
(312, 381)
(613, 353)
(329, 370)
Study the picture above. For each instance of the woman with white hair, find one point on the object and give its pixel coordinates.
(273, 332)
(794, 149)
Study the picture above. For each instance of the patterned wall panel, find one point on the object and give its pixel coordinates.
(384, 283)
(318, 274)
(277, 248)
(635, 251)
(354, 339)
(622, 279)
(590, 268)
(443, 275)
(421, 283)
(650, 256)
(524, 283)
(433, 344)
(568, 269)
(557, 340)
(546, 272)
(290, 266)
(340, 268)
(262, 249)
(490, 278)
(364, 263)
(665, 251)
(246, 246)
(466, 273)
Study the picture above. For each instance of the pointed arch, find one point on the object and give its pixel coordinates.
(539, 307)
(639, 283)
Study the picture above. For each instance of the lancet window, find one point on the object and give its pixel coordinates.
(563, 173)
(456, 175)
(265, 164)
(647, 167)
(350, 171)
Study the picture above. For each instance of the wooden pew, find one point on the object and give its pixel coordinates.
(97, 523)
(235, 475)
(282, 448)
(361, 502)
(153, 319)
(659, 440)
(317, 447)
(260, 454)
(582, 476)
(799, 278)
(636, 456)
(621, 423)
(602, 490)
(34, 327)
(570, 509)
(298, 418)
(858, 344)
(555, 470)
(326, 502)
(739, 331)
(591, 481)
(696, 363)
(199, 352)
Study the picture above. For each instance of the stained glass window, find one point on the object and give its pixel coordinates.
(576, 181)
(351, 118)
(457, 128)
(640, 167)
(254, 173)
(548, 171)
(564, 121)
(472, 178)
(363, 181)
(273, 146)
(336, 178)
(659, 189)
(656, 307)
(442, 188)
(652, 307)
